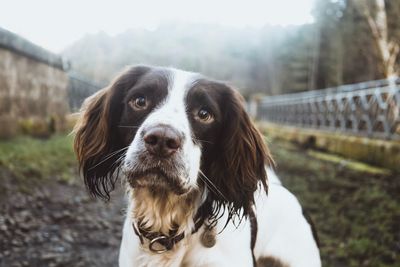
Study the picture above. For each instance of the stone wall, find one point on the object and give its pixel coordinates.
(33, 88)
(381, 153)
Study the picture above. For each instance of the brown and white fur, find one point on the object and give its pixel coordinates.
(189, 152)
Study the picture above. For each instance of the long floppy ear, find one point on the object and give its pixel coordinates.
(239, 168)
(97, 145)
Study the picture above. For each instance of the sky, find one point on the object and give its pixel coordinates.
(55, 24)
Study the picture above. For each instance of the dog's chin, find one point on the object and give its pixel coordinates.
(157, 182)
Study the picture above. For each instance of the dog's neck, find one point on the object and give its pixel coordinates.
(163, 212)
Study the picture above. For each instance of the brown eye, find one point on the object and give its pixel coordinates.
(138, 103)
(204, 115)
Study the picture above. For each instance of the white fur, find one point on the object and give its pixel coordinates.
(283, 232)
(172, 112)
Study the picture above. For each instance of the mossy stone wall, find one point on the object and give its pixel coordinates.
(382, 153)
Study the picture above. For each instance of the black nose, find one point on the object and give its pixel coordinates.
(162, 140)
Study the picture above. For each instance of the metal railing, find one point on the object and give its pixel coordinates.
(79, 89)
(369, 109)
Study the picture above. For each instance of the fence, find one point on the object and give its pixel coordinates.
(78, 89)
(369, 109)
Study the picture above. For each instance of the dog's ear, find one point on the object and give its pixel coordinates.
(96, 143)
(240, 166)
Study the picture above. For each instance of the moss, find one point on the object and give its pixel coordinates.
(382, 153)
(43, 127)
(35, 127)
(351, 164)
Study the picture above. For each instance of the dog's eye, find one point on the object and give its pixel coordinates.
(138, 103)
(204, 115)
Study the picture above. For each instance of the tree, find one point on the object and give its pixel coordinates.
(378, 24)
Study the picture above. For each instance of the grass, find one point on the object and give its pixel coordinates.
(356, 210)
(29, 158)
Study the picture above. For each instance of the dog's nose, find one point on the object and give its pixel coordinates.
(162, 140)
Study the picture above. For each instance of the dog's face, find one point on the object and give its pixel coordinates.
(164, 151)
(172, 131)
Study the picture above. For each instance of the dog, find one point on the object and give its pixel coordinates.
(195, 170)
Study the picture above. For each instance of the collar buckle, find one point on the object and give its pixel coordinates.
(166, 242)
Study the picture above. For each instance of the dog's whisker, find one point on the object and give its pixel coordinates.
(210, 184)
(231, 210)
(118, 161)
(215, 187)
(207, 186)
(109, 156)
(128, 126)
(205, 141)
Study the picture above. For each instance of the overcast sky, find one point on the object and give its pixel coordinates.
(54, 24)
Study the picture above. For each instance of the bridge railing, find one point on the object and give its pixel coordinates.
(370, 109)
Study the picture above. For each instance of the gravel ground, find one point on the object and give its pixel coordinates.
(59, 225)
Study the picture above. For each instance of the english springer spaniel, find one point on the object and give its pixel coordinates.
(196, 172)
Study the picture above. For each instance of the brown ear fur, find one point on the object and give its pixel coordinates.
(240, 166)
(91, 130)
(96, 143)
(91, 143)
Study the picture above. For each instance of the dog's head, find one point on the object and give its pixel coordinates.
(175, 131)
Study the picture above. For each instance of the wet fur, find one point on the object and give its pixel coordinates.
(231, 173)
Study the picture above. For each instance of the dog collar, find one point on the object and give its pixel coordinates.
(160, 243)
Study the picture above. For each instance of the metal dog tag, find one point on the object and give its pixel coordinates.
(208, 238)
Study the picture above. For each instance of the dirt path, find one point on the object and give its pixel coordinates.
(59, 225)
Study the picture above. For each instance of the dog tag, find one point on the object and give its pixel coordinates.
(208, 238)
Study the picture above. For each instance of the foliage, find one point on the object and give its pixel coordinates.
(36, 127)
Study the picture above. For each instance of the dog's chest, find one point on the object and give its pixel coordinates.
(172, 259)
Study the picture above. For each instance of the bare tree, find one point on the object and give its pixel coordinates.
(388, 49)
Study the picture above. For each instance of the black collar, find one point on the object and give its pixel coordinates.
(167, 241)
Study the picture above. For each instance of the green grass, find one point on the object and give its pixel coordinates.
(356, 210)
(357, 213)
(29, 158)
